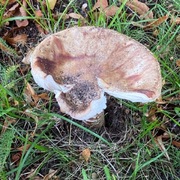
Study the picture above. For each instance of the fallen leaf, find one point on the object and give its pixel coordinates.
(75, 16)
(40, 29)
(4, 47)
(156, 23)
(30, 95)
(141, 8)
(3, 2)
(6, 123)
(175, 20)
(16, 158)
(111, 10)
(10, 12)
(38, 13)
(161, 146)
(151, 114)
(156, 32)
(24, 148)
(52, 3)
(43, 96)
(86, 153)
(176, 143)
(178, 62)
(22, 12)
(18, 39)
(63, 16)
(100, 4)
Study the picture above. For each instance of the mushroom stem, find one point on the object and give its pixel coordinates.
(97, 121)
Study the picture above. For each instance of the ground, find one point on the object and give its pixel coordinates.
(137, 141)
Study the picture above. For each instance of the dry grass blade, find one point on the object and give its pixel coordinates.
(161, 146)
(50, 175)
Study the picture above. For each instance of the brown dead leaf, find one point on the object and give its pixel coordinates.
(111, 10)
(175, 20)
(155, 32)
(40, 29)
(24, 148)
(151, 114)
(166, 135)
(176, 143)
(43, 96)
(22, 12)
(3, 2)
(100, 4)
(141, 8)
(6, 123)
(108, 10)
(75, 16)
(30, 95)
(7, 49)
(156, 23)
(10, 12)
(61, 15)
(52, 3)
(161, 146)
(18, 39)
(16, 158)
(38, 13)
(86, 153)
(3, 47)
(178, 62)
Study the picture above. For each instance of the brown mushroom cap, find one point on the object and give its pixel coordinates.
(80, 64)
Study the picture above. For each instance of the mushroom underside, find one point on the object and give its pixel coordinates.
(80, 66)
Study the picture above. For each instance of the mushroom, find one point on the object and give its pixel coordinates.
(81, 64)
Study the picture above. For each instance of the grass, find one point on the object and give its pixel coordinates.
(48, 140)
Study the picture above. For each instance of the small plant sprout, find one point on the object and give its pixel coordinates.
(81, 64)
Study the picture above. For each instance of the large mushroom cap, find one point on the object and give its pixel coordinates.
(80, 64)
